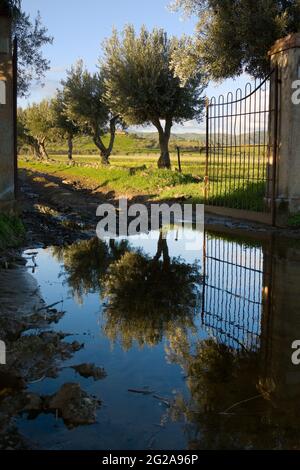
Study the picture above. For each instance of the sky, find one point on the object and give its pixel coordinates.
(79, 28)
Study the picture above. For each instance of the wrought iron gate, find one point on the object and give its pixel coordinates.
(241, 148)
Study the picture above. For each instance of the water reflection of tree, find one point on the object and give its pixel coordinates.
(144, 297)
(232, 406)
(86, 263)
(148, 297)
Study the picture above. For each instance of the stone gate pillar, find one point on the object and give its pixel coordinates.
(285, 56)
(7, 150)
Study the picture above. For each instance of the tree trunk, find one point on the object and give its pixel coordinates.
(164, 160)
(33, 143)
(164, 138)
(104, 158)
(106, 152)
(70, 147)
(42, 150)
(162, 250)
(36, 150)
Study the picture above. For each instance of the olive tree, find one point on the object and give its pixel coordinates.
(37, 126)
(234, 36)
(31, 36)
(65, 128)
(25, 139)
(87, 107)
(142, 84)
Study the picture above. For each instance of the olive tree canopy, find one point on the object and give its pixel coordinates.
(86, 105)
(31, 36)
(36, 127)
(234, 36)
(142, 84)
(65, 128)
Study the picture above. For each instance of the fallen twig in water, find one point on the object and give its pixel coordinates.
(141, 392)
(163, 400)
(38, 380)
(47, 307)
(239, 403)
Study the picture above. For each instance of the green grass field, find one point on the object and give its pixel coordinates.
(236, 176)
(138, 175)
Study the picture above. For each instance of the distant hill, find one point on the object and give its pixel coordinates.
(258, 137)
(255, 138)
(147, 143)
(174, 136)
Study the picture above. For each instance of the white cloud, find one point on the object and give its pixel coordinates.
(39, 92)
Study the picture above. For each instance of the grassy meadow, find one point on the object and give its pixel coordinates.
(235, 180)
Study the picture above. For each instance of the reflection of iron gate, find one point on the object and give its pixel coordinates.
(233, 292)
(240, 148)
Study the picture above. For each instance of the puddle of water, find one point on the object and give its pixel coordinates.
(208, 332)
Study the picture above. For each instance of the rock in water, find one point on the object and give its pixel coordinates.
(74, 405)
(90, 370)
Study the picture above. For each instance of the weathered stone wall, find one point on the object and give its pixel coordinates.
(286, 56)
(6, 118)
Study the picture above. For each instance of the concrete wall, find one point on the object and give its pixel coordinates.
(286, 56)
(6, 118)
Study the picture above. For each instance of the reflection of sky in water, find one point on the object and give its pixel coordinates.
(185, 243)
(129, 421)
